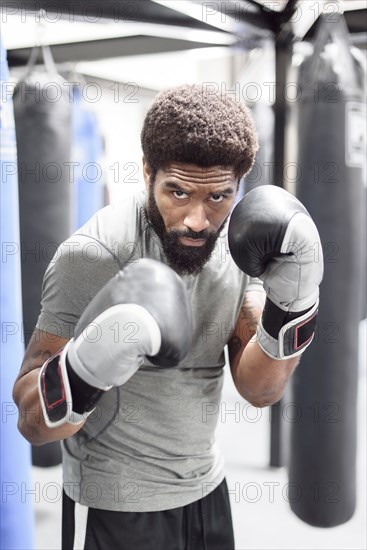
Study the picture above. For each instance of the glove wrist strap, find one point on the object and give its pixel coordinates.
(62, 401)
(282, 334)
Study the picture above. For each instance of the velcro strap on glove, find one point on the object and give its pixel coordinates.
(55, 392)
(283, 335)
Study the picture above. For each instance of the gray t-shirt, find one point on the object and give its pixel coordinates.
(149, 445)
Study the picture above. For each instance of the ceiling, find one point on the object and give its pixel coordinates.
(85, 30)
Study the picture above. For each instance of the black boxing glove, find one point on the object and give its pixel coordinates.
(143, 311)
(272, 236)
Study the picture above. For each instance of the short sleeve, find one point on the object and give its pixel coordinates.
(81, 266)
(255, 284)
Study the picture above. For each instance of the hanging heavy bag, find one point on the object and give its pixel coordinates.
(87, 153)
(42, 110)
(323, 436)
(43, 130)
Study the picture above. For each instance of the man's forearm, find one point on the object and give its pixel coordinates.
(31, 423)
(260, 379)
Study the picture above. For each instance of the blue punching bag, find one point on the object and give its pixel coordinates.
(16, 529)
(87, 151)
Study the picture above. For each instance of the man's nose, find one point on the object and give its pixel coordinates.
(196, 218)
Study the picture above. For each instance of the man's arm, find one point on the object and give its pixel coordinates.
(272, 236)
(31, 423)
(260, 379)
(55, 400)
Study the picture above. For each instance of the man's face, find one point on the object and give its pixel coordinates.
(188, 207)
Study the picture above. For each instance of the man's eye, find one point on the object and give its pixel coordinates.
(217, 197)
(179, 194)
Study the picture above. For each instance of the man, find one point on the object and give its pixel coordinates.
(137, 308)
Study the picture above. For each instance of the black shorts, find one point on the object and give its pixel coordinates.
(202, 525)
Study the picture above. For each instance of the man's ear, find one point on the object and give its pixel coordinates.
(146, 173)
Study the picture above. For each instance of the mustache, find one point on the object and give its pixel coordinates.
(190, 234)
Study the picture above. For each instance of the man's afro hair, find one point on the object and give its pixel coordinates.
(192, 125)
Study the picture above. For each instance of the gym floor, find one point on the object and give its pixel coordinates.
(261, 513)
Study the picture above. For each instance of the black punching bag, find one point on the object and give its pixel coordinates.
(42, 112)
(43, 130)
(331, 123)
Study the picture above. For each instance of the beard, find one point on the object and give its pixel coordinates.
(185, 260)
